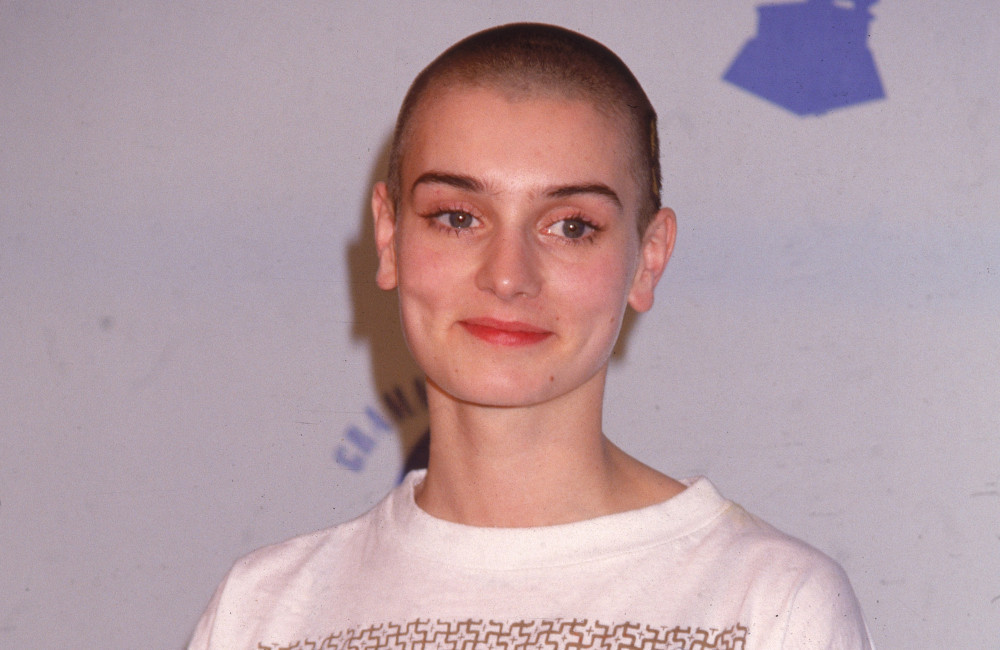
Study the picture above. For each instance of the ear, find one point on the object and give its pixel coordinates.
(655, 249)
(384, 214)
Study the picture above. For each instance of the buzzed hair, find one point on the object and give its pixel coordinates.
(532, 57)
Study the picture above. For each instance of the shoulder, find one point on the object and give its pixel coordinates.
(283, 584)
(797, 596)
(725, 527)
(279, 561)
(321, 551)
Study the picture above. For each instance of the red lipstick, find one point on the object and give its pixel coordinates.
(508, 333)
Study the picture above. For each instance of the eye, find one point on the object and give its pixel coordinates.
(572, 228)
(455, 219)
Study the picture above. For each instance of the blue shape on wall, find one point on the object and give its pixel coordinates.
(810, 57)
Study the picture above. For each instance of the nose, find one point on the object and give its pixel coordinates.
(510, 266)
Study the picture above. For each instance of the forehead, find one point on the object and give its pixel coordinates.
(515, 136)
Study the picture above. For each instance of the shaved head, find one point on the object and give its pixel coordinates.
(527, 59)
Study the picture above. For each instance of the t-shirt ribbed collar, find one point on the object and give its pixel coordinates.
(414, 531)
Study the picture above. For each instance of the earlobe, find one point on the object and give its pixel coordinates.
(384, 214)
(656, 247)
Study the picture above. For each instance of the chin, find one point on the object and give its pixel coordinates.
(499, 392)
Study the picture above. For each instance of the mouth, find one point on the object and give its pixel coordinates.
(507, 333)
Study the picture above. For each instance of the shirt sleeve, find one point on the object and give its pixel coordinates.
(201, 639)
(824, 614)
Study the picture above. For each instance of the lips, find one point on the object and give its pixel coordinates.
(507, 333)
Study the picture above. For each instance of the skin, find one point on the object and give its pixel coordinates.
(515, 253)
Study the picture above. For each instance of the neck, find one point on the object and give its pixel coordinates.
(531, 466)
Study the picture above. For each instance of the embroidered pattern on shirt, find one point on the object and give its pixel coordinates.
(547, 634)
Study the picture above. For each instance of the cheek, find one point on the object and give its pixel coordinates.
(598, 288)
(428, 280)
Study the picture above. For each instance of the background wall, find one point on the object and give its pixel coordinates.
(192, 351)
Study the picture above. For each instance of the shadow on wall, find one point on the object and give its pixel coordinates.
(810, 57)
(399, 382)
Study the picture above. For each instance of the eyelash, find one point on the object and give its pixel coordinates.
(590, 229)
(435, 219)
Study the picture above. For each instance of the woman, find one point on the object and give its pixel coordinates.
(520, 218)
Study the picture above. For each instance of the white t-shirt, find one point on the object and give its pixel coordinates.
(695, 571)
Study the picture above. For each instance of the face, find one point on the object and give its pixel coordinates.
(514, 248)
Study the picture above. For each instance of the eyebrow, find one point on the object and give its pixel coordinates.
(470, 184)
(457, 181)
(590, 188)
